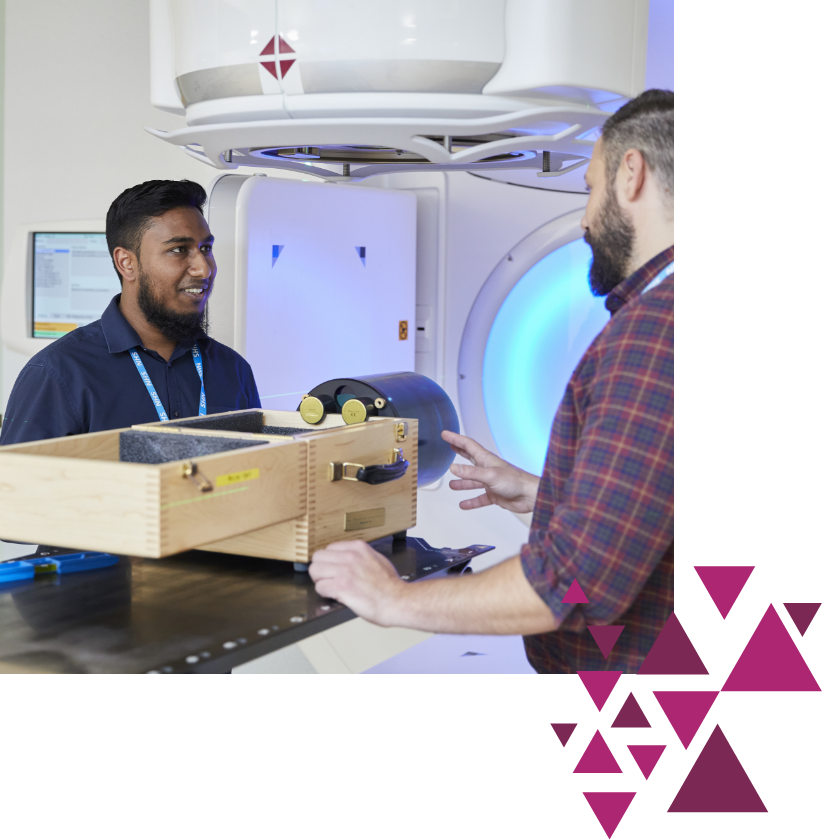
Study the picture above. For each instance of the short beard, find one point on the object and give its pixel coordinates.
(611, 247)
(175, 326)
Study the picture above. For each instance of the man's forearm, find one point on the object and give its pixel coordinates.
(499, 601)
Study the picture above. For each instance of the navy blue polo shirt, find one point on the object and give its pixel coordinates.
(87, 381)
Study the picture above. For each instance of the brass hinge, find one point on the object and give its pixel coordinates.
(190, 471)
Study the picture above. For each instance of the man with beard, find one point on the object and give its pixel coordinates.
(149, 357)
(603, 509)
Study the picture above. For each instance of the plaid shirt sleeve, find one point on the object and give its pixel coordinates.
(610, 519)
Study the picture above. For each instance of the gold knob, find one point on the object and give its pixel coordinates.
(354, 412)
(312, 410)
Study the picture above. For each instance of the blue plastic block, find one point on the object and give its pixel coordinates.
(16, 570)
(83, 561)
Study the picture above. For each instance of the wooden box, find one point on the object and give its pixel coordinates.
(260, 493)
(331, 509)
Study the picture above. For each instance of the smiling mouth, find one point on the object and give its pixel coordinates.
(195, 292)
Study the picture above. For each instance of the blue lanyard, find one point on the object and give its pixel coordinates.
(669, 269)
(152, 391)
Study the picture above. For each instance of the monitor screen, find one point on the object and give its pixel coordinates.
(73, 281)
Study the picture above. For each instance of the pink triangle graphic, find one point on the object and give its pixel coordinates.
(285, 66)
(646, 756)
(605, 636)
(575, 595)
(285, 47)
(724, 583)
(271, 66)
(563, 731)
(802, 615)
(597, 758)
(599, 684)
(630, 715)
(771, 661)
(672, 652)
(717, 782)
(609, 808)
(268, 49)
(686, 710)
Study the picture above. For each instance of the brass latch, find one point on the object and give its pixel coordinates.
(346, 471)
(191, 472)
(401, 432)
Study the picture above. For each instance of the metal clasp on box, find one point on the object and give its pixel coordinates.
(400, 432)
(190, 471)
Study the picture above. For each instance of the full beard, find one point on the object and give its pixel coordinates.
(180, 327)
(611, 247)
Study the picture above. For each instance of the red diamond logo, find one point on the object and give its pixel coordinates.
(278, 47)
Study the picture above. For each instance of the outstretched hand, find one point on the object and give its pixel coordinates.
(504, 484)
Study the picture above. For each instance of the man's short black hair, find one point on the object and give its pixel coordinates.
(131, 212)
(645, 123)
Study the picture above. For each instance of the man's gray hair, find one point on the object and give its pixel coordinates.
(647, 124)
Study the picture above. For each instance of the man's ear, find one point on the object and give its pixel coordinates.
(634, 173)
(126, 262)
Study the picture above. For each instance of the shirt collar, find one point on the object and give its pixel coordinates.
(634, 285)
(121, 336)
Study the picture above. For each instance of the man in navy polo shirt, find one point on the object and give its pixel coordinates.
(149, 357)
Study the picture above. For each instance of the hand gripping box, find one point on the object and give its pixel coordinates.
(262, 483)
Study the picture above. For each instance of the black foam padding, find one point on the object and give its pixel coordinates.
(248, 421)
(286, 430)
(160, 447)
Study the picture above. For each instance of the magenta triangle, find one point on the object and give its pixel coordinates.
(285, 66)
(630, 715)
(802, 615)
(563, 731)
(285, 47)
(575, 595)
(609, 808)
(724, 583)
(646, 756)
(672, 652)
(717, 782)
(771, 661)
(605, 636)
(686, 710)
(597, 758)
(268, 49)
(599, 684)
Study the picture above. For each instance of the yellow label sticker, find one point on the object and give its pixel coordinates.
(234, 478)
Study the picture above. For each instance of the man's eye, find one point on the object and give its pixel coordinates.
(206, 249)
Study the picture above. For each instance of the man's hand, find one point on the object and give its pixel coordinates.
(504, 484)
(359, 577)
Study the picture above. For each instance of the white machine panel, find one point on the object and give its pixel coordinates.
(313, 281)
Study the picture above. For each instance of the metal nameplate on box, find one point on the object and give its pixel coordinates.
(361, 519)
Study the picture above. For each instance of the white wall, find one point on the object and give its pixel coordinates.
(76, 101)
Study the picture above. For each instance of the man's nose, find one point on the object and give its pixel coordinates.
(200, 266)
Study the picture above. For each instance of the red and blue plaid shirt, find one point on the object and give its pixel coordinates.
(605, 507)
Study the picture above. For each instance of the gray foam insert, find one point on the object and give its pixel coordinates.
(161, 447)
(248, 421)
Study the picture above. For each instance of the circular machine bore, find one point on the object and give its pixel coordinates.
(408, 395)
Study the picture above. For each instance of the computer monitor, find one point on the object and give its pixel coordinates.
(72, 281)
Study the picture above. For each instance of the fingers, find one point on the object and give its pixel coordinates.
(463, 445)
(483, 475)
(466, 485)
(476, 502)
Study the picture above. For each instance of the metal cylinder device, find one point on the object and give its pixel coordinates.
(398, 395)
